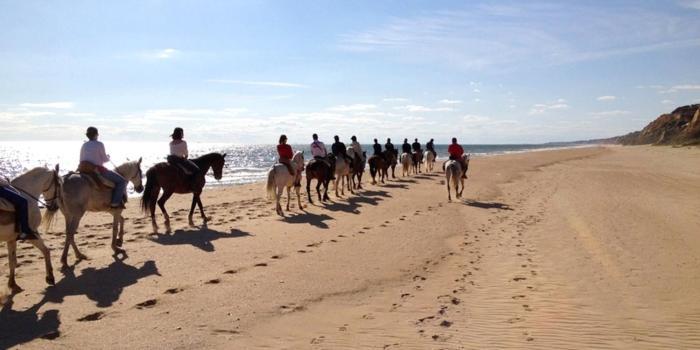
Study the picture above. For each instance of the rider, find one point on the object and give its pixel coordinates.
(456, 151)
(416, 146)
(285, 152)
(319, 152)
(390, 147)
(21, 210)
(92, 158)
(357, 148)
(179, 154)
(406, 148)
(431, 147)
(338, 148)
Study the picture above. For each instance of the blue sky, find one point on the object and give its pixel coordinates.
(246, 71)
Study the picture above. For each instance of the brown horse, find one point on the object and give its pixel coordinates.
(322, 172)
(358, 167)
(378, 166)
(392, 159)
(417, 161)
(173, 180)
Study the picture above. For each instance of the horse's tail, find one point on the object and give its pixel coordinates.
(270, 186)
(149, 196)
(372, 166)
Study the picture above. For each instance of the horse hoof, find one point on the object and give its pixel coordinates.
(50, 280)
(14, 288)
(81, 257)
(119, 242)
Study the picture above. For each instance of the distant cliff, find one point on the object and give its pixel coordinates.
(680, 127)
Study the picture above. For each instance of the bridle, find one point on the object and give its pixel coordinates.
(56, 193)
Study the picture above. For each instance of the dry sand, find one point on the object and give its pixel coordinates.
(583, 248)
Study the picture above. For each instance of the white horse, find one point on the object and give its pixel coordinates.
(429, 161)
(342, 174)
(31, 184)
(453, 173)
(406, 164)
(278, 178)
(79, 195)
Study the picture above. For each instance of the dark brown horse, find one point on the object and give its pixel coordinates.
(322, 172)
(378, 166)
(392, 159)
(173, 180)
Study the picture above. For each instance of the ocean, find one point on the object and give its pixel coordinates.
(244, 163)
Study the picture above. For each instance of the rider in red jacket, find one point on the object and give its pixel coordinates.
(456, 153)
(285, 152)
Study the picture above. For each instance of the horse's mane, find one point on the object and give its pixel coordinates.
(125, 164)
(208, 157)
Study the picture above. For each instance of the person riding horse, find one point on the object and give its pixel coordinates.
(339, 150)
(390, 148)
(319, 152)
(431, 147)
(92, 159)
(406, 148)
(378, 150)
(13, 196)
(356, 147)
(456, 151)
(416, 146)
(179, 155)
(285, 153)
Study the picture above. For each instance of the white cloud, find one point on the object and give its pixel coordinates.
(167, 53)
(57, 105)
(395, 99)
(544, 107)
(476, 91)
(281, 84)
(418, 108)
(610, 113)
(474, 118)
(79, 114)
(691, 4)
(667, 102)
(606, 98)
(352, 108)
(162, 54)
(450, 102)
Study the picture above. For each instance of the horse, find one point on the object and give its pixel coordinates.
(391, 161)
(453, 172)
(429, 161)
(342, 174)
(358, 167)
(31, 184)
(321, 171)
(378, 166)
(417, 157)
(170, 178)
(406, 164)
(278, 178)
(80, 194)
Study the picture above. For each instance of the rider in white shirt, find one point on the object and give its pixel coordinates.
(357, 148)
(179, 153)
(318, 149)
(93, 153)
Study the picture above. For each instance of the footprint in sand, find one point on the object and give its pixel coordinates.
(147, 304)
(276, 257)
(92, 317)
(213, 281)
(302, 251)
(230, 272)
(518, 279)
(261, 264)
(173, 291)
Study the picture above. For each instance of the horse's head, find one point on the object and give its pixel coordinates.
(132, 172)
(217, 165)
(298, 159)
(466, 157)
(52, 190)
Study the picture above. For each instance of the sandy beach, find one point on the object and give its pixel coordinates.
(590, 248)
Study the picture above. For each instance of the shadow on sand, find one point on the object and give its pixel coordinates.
(104, 286)
(200, 238)
(309, 218)
(487, 205)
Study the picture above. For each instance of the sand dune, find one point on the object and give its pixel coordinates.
(581, 248)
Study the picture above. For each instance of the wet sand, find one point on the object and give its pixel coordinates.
(580, 248)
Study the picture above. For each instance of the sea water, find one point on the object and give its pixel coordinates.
(244, 163)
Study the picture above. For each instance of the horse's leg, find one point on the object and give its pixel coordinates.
(308, 189)
(74, 230)
(116, 219)
(319, 182)
(205, 219)
(335, 185)
(120, 239)
(64, 254)
(161, 204)
(298, 191)
(278, 198)
(12, 256)
(39, 244)
(152, 209)
(449, 196)
(192, 207)
(289, 195)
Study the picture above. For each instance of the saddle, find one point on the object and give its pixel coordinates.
(96, 180)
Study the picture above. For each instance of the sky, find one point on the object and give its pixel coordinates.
(243, 72)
